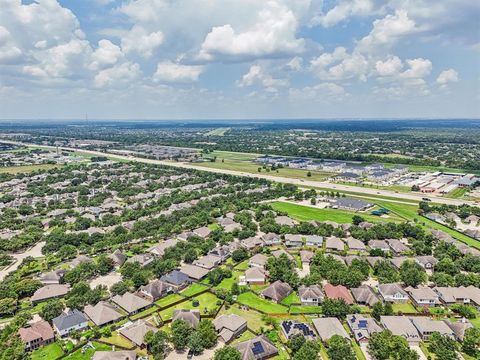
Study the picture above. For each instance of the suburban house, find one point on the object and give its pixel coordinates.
(364, 295)
(423, 296)
(427, 262)
(272, 239)
(53, 277)
(393, 293)
(223, 252)
(334, 243)
(293, 240)
(459, 327)
(69, 321)
(401, 326)
(36, 335)
(78, 260)
(314, 241)
(329, 326)
(372, 260)
(253, 276)
(351, 204)
(155, 290)
(397, 246)
(230, 327)
(258, 260)
(277, 291)
(362, 327)
(338, 292)
(306, 256)
(258, 348)
(118, 258)
(311, 295)
(191, 317)
(195, 273)
(452, 295)
(131, 303)
(292, 327)
(279, 252)
(355, 244)
(177, 279)
(208, 261)
(49, 292)
(285, 221)
(142, 259)
(102, 313)
(115, 355)
(252, 243)
(379, 245)
(398, 261)
(426, 327)
(136, 332)
(159, 250)
(203, 232)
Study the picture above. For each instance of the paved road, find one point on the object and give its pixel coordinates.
(35, 251)
(299, 182)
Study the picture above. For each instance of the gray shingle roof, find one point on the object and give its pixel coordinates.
(69, 319)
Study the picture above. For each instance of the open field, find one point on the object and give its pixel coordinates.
(27, 168)
(305, 213)
(217, 132)
(229, 155)
(250, 167)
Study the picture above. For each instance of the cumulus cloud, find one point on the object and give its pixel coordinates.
(107, 54)
(171, 72)
(140, 41)
(389, 67)
(343, 10)
(273, 33)
(340, 65)
(257, 75)
(120, 74)
(447, 76)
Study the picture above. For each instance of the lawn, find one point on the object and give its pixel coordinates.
(247, 335)
(457, 193)
(404, 308)
(254, 318)
(207, 301)
(144, 313)
(291, 299)
(251, 167)
(306, 213)
(255, 302)
(228, 282)
(87, 355)
(242, 266)
(309, 309)
(168, 300)
(118, 340)
(26, 168)
(48, 352)
(229, 155)
(193, 289)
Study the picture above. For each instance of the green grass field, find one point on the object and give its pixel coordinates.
(305, 309)
(229, 155)
(228, 282)
(207, 301)
(457, 193)
(27, 168)
(168, 300)
(306, 213)
(144, 313)
(217, 132)
(118, 340)
(193, 289)
(291, 299)
(254, 318)
(87, 355)
(255, 302)
(250, 167)
(49, 352)
(404, 308)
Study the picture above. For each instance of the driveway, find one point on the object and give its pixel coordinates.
(419, 351)
(35, 251)
(206, 355)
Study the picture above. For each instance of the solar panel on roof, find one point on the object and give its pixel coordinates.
(257, 348)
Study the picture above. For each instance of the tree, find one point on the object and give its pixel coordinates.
(119, 288)
(240, 255)
(357, 219)
(156, 342)
(51, 309)
(444, 347)
(308, 351)
(340, 349)
(180, 334)
(8, 305)
(295, 342)
(227, 353)
(386, 346)
(377, 310)
(195, 342)
(104, 264)
(471, 342)
(412, 274)
(335, 307)
(207, 333)
(67, 252)
(388, 309)
(190, 256)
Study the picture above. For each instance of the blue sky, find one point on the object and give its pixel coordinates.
(174, 59)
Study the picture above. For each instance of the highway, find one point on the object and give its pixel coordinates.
(300, 182)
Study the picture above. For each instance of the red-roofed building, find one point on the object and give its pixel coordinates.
(338, 292)
(38, 334)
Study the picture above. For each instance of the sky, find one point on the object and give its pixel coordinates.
(239, 59)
